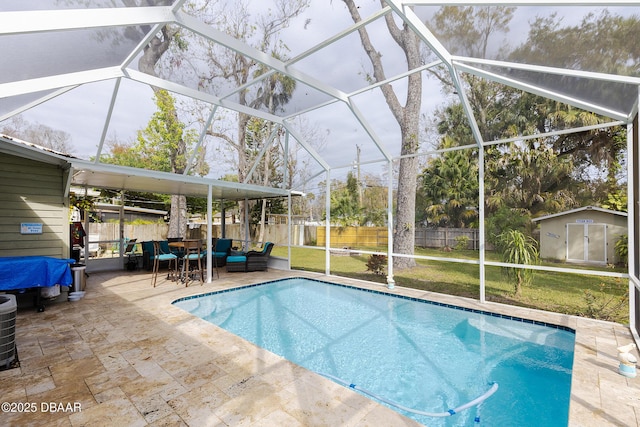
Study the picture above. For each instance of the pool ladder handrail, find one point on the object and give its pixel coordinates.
(450, 412)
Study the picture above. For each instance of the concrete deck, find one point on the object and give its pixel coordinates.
(124, 356)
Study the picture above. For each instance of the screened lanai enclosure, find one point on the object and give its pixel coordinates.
(404, 116)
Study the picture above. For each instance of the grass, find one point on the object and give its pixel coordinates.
(584, 295)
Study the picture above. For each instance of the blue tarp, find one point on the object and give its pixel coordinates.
(34, 271)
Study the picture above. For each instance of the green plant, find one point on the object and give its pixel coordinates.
(462, 242)
(518, 248)
(603, 306)
(84, 203)
(377, 264)
(622, 249)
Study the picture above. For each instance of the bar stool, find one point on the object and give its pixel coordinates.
(192, 254)
(159, 256)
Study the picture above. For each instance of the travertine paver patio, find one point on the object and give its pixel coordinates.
(124, 356)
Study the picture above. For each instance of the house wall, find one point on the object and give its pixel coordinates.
(32, 192)
(553, 232)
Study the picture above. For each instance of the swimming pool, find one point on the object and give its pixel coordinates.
(421, 355)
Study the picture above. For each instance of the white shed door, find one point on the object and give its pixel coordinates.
(587, 242)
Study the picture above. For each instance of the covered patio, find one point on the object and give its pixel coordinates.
(126, 356)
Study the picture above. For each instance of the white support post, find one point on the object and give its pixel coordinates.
(210, 247)
(481, 231)
(285, 172)
(327, 226)
(631, 231)
(390, 280)
(289, 230)
(121, 245)
(247, 236)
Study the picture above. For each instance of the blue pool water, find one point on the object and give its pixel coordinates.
(425, 356)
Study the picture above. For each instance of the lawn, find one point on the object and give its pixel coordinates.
(584, 295)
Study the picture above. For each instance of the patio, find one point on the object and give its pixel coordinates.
(128, 357)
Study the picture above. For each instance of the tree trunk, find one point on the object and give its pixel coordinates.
(518, 287)
(405, 231)
(243, 119)
(178, 217)
(407, 117)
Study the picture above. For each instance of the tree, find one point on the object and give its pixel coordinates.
(518, 248)
(223, 66)
(268, 172)
(39, 134)
(545, 175)
(449, 185)
(408, 117)
(345, 206)
(467, 30)
(164, 145)
(601, 43)
(374, 201)
(148, 63)
(530, 177)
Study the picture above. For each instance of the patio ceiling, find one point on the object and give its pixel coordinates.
(131, 179)
(92, 175)
(74, 66)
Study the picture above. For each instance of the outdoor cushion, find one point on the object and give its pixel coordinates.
(223, 245)
(236, 263)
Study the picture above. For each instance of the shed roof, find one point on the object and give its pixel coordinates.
(582, 209)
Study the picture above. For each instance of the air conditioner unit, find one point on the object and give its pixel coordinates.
(8, 312)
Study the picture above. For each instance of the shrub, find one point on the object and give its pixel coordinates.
(462, 242)
(622, 249)
(377, 264)
(603, 306)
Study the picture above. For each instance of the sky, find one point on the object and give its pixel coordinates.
(82, 112)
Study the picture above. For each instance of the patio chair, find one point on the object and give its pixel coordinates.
(222, 248)
(258, 260)
(130, 253)
(158, 256)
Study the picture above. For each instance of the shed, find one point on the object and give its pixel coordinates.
(584, 235)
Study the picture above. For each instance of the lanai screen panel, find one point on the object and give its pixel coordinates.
(580, 39)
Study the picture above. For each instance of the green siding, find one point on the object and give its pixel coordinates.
(31, 191)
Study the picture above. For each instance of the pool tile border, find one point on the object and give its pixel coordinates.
(405, 297)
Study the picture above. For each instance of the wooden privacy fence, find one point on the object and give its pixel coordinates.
(447, 237)
(377, 237)
(110, 232)
(355, 237)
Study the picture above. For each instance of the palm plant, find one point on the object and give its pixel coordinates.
(518, 248)
(450, 187)
(622, 249)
